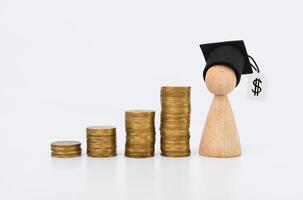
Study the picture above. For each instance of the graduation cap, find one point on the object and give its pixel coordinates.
(230, 53)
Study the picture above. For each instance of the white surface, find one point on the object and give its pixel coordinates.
(66, 65)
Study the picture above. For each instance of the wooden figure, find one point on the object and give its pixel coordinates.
(225, 63)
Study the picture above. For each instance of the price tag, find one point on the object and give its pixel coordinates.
(257, 86)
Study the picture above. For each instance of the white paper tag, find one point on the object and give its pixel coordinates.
(257, 87)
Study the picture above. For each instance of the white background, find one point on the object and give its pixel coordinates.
(68, 64)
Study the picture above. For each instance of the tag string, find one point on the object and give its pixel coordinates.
(255, 65)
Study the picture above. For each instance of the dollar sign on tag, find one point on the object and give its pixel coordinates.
(257, 87)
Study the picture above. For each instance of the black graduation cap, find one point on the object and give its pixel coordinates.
(230, 53)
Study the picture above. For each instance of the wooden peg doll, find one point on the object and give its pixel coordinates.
(225, 63)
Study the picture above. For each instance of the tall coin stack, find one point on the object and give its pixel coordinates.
(140, 133)
(101, 141)
(66, 149)
(175, 121)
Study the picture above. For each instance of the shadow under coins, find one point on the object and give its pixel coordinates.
(66, 164)
(174, 177)
(102, 172)
(140, 178)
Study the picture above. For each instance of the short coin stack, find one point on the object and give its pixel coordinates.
(140, 133)
(66, 149)
(101, 141)
(175, 121)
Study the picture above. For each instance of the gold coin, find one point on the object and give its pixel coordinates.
(58, 155)
(175, 154)
(77, 148)
(101, 155)
(68, 151)
(175, 89)
(65, 144)
(101, 139)
(101, 128)
(139, 155)
(139, 112)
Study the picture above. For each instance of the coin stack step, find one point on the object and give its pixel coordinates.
(101, 141)
(140, 133)
(175, 121)
(66, 149)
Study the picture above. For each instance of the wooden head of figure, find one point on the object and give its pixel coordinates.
(220, 80)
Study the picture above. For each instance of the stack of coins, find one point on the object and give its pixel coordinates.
(175, 121)
(140, 133)
(101, 141)
(66, 149)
